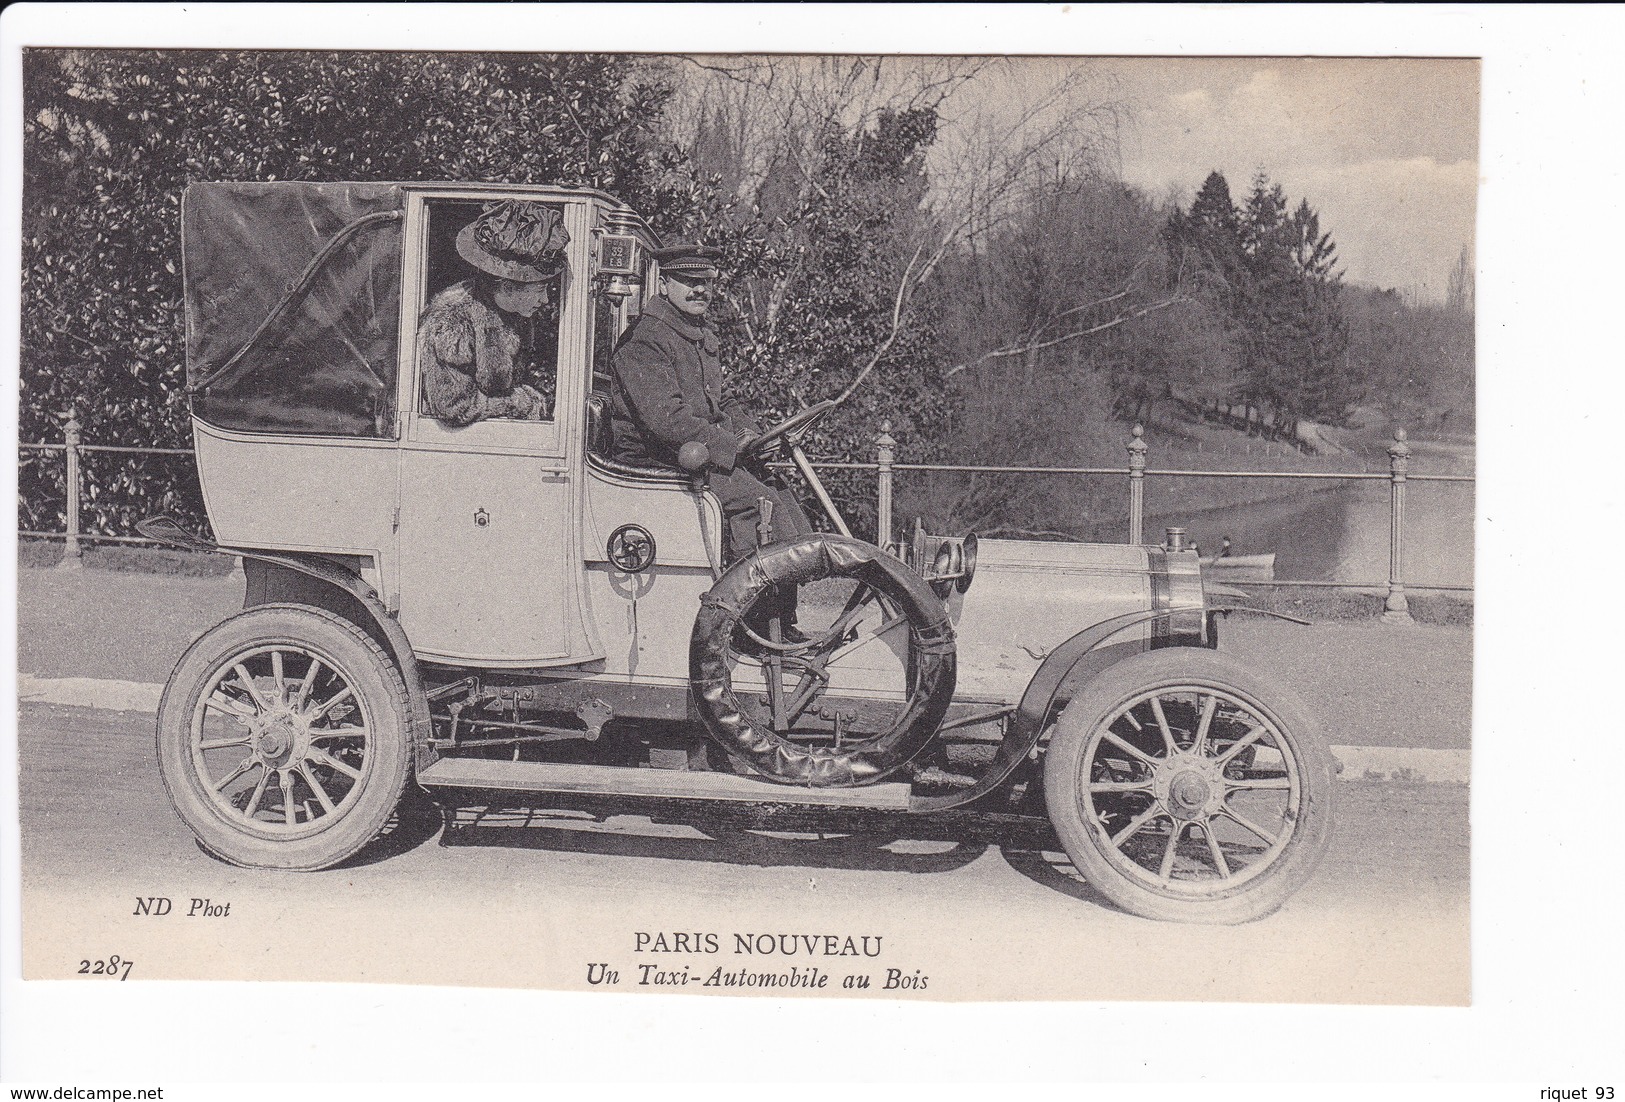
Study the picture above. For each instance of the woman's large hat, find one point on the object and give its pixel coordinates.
(515, 239)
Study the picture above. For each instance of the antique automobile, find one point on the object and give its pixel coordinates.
(503, 610)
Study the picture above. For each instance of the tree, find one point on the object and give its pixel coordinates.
(840, 239)
(1325, 385)
(1207, 240)
(810, 173)
(1279, 294)
(1210, 235)
(1417, 359)
(817, 299)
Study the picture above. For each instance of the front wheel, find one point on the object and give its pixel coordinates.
(1187, 789)
(283, 738)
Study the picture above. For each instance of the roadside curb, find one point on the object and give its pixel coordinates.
(1360, 763)
(89, 692)
(1401, 763)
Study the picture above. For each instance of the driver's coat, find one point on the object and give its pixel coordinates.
(668, 391)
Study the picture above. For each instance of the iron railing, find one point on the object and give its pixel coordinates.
(886, 469)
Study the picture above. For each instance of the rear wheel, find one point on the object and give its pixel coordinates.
(284, 738)
(1187, 789)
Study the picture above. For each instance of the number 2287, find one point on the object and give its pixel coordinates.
(112, 966)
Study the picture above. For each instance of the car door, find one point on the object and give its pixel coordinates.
(487, 530)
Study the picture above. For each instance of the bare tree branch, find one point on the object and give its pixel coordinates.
(904, 292)
(1005, 353)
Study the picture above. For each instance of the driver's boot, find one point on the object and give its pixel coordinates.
(781, 601)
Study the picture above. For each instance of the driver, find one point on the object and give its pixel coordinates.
(668, 391)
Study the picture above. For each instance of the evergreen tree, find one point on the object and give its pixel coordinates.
(1281, 298)
(1294, 362)
(1210, 235)
(1263, 304)
(1213, 212)
(1327, 384)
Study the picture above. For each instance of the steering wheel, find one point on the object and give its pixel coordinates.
(790, 427)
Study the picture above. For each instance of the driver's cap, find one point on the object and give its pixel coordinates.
(700, 261)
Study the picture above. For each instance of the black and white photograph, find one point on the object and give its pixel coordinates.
(766, 525)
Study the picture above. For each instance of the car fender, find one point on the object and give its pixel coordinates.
(264, 586)
(1085, 655)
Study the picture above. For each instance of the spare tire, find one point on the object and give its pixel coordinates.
(930, 675)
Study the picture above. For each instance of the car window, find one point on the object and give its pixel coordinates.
(453, 284)
(293, 306)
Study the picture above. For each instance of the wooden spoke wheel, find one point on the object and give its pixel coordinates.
(1187, 789)
(283, 738)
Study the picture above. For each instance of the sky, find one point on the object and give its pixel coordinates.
(1385, 149)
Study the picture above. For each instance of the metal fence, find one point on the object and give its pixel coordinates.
(1396, 605)
(886, 468)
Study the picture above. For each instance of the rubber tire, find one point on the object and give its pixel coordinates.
(812, 558)
(1088, 847)
(376, 681)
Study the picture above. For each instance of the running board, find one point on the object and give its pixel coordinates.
(611, 780)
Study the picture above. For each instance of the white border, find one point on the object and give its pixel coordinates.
(1546, 903)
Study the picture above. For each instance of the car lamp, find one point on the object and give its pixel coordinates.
(618, 263)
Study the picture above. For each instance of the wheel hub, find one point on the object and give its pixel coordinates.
(276, 738)
(272, 742)
(1187, 794)
(1189, 787)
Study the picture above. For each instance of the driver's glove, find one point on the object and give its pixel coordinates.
(758, 461)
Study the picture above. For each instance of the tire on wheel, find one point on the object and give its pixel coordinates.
(1187, 789)
(284, 738)
(923, 698)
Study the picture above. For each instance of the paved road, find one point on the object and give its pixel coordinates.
(533, 899)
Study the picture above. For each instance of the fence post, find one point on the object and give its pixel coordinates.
(72, 552)
(1136, 485)
(885, 456)
(1396, 609)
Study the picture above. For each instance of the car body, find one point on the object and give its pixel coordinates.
(504, 607)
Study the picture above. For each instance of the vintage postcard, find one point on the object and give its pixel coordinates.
(812, 527)
(749, 524)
